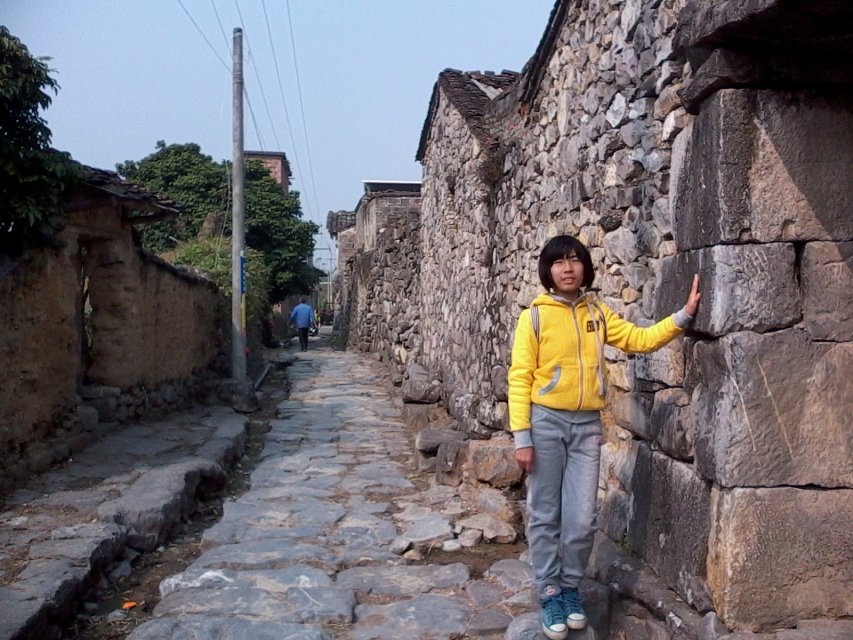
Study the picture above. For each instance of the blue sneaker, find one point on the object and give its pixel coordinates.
(575, 615)
(554, 618)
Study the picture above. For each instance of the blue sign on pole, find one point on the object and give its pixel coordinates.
(242, 272)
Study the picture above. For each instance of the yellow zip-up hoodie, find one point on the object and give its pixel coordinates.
(564, 368)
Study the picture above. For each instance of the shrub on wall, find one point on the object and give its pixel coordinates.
(212, 257)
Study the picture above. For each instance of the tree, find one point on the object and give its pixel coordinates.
(33, 177)
(274, 224)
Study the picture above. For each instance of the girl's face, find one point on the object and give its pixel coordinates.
(567, 274)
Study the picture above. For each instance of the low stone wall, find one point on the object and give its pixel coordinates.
(93, 334)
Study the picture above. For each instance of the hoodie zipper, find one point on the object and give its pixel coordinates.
(580, 358)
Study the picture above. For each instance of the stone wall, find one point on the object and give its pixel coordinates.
(93, 334)
(727, 462)
(380, 283)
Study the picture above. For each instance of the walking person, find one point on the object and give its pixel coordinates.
(557, 387)
(302, 319)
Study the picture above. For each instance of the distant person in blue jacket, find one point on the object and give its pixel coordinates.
(302, 318)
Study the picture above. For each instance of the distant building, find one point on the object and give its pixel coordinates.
(277, 164)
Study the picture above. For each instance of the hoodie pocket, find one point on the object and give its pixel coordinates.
(555, 379)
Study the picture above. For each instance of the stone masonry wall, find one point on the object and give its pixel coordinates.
(463, 340)
(727, 461)
(381, 284)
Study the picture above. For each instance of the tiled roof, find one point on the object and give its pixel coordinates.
(535, 67)
(472, 94)
(128, 193)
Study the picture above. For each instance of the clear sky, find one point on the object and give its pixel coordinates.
(133, 72)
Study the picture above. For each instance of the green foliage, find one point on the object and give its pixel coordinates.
(212, 256)
(34, 176)
(274, 225)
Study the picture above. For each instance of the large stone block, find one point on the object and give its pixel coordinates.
(670, 520)
(827, 281)
(767, 166)
(672, 424)
(743, 287)
(774, 409)
(780, 555)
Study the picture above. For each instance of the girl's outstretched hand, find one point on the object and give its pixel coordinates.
(693, 299)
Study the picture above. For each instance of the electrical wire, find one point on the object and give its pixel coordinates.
(221, 28)
(281, 91)
(201, 33)
(302, 108)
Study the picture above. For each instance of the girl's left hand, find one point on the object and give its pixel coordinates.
(693, 299)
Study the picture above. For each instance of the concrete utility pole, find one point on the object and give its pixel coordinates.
(238, 213)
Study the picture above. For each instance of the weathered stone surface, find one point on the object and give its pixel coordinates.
(494, 530)
(745, 287)
(426, 616)
(205, 627)
(665, 365)
(766, 166)
(630, 577)
(672, 423)
(428, 440)
(514, 575)
(403, 581)
(448, 463)
(488, 621)
(275, 580)
(158, 500)
(419, 386)
(827, 282)
(493, 462)
(778, 555)
(762, 414)
(431, 528)
(631, 411)
(670, 519)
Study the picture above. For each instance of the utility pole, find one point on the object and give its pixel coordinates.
(238, 213)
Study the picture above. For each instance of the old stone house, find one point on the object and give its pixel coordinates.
(672, 137)
(89, 330)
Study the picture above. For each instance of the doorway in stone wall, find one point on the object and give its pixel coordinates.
(84, 308)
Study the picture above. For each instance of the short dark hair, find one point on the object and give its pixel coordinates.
(562, 247)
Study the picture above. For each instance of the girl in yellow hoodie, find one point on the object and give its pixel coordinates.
(557, 386)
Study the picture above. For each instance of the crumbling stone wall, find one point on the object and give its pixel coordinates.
(146, 340)
(727, 462)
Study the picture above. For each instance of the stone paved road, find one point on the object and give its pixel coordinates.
(306, 553)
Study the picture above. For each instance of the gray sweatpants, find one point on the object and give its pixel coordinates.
(561, 495)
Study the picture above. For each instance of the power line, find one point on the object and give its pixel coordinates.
(266, 104)
(201, 33)
(302, 107)
(281, 91)
(221, 29)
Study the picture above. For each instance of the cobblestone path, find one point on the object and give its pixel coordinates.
(306, 553)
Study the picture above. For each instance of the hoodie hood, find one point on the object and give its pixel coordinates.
(555, 300)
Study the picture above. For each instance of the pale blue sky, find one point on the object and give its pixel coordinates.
(134, 72)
